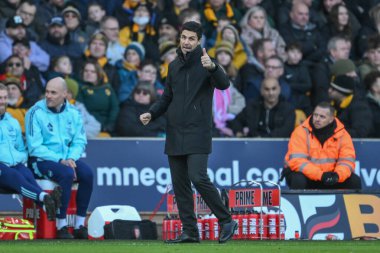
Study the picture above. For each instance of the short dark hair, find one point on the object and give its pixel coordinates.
(258, 45)
(293, 46)
(370, 79)
(3, 87)
(326, 105)
(188, 12)
(277, 58)
(373, 42)
(193, 27)
(25, 42)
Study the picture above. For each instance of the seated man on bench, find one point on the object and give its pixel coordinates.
(56, 140)
(14, 176)
(321, 154)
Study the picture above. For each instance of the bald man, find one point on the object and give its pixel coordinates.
(299, 29)
(269, 116)
(56, 140)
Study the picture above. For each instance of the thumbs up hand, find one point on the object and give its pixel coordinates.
(206, 61)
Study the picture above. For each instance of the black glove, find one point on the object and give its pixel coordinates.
(330, 178)
(284, 173)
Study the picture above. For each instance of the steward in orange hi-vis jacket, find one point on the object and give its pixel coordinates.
(321, 154)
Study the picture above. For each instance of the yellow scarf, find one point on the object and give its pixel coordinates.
(211, 17)
(102, 60)
(128, 4)
(149, 30)
(19, 101)
(345, 102)
(164, 69)
(129, 66)
(177, 11)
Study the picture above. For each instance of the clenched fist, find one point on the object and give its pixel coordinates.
(145, 118)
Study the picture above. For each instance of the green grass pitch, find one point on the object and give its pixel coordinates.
(73, 246)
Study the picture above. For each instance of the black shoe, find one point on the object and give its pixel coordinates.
(56, 195)
(49, 207)
(64, 233)
(184, 238)
(81, 233)
(227, 231)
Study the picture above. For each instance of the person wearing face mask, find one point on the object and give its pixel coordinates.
(142, 30)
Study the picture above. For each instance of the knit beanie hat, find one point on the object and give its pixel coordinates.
(342, 67)
(234, 30)
(99, 36)
(12, 80)
(139, 48)
(169, 20)
(72, 86)
(224, 46)
(344, 84)
(72, 9)
(165, 47)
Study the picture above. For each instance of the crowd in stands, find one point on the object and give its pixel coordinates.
(283, 57)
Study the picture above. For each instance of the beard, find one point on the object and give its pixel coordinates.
(3, 109)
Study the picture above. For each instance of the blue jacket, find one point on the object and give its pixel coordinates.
(128, 81)
(12, 148)
(53, 136)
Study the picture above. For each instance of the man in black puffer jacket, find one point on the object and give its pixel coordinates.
(187, 98)
(270, 116)
(352, 109)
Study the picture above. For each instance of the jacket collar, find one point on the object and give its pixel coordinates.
(191, 57)
(337, 131)
(54, 110)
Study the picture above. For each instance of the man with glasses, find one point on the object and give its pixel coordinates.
(274, 68)
(72, 18)
(30, 80)
(254, 68)
(57, 43)
(27, 11)
(110, 27)
(15, 30)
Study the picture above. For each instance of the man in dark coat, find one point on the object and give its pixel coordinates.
(270, 116)
(300, 30)
(352, 109)
(187, 98)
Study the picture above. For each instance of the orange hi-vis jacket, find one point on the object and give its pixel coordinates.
(307, 155)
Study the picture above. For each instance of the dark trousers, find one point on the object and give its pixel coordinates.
(64, 176)
(20, 179)
(297, 180)
(189, 169)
